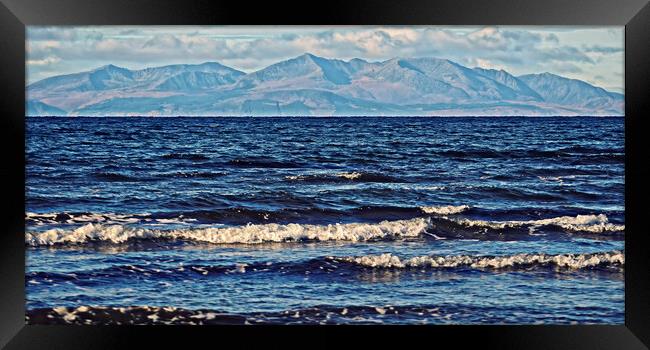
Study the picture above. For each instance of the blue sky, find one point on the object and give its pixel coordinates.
(592, 54)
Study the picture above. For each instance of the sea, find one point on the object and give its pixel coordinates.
(325, 220)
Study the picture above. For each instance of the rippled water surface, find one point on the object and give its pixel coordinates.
(326, 220)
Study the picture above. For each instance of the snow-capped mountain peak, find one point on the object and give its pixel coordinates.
(310, 84)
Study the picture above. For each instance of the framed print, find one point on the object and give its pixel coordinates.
(377, 170)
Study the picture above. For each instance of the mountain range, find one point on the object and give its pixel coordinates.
(312, 85)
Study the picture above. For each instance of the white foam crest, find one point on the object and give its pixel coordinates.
(349, 175)
(248, 234)
(432, 188)
(570, 261)
(346, 175)
(85, 217)
(581, 223)
(105, 218)
(445, 210)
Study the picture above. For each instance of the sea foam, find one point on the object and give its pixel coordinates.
(354, 176)
(248, 234)
(103, 228)
(581, 223)
(570, 261)
(69, 218)
(445, 210)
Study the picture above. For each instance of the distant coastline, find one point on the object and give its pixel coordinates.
(328, 116)
(315, 86)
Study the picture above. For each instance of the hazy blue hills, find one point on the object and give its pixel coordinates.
(312, 85)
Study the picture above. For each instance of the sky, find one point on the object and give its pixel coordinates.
(592, 54)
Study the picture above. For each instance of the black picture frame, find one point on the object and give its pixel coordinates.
(633, 14)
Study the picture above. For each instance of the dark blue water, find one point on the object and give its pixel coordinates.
(487, 220)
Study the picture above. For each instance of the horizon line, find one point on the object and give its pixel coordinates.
(325, 116)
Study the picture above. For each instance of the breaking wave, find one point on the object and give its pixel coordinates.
(248, 234)
(115, 228)
(580, 223)
(568, 261)
(335, 266)
(445, 210)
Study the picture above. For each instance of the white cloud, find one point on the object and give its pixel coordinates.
(44, 62)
